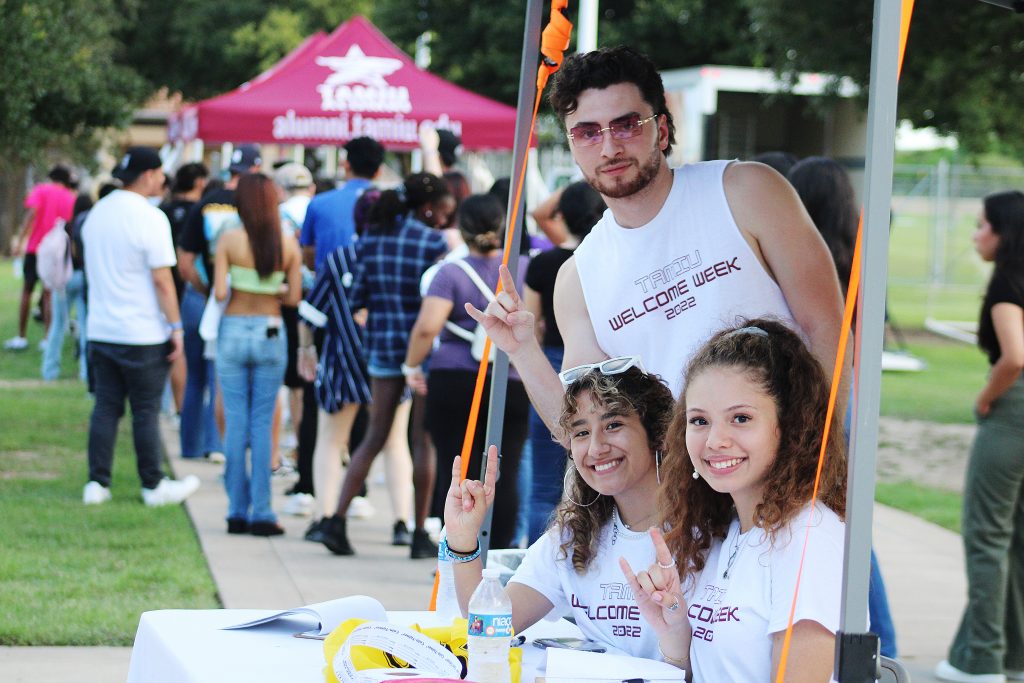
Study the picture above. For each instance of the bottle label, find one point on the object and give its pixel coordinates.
(490, 625)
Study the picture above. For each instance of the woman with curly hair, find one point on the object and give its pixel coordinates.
(743, 451)
(614, 417)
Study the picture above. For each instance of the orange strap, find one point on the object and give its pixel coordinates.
(837, 371)
(554, 41)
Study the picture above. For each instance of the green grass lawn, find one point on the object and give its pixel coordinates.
(936, 506)
(72, 575)
(945, 391)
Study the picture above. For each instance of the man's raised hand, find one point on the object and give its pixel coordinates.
(508, 323)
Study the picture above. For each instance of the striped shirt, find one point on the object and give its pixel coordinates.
(341, 375)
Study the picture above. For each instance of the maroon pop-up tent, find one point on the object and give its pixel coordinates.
(335, 87)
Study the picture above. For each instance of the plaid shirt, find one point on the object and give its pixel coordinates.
(387, 284)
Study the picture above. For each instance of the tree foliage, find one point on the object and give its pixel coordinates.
(202, 48)
(59, 80)
(963, 72)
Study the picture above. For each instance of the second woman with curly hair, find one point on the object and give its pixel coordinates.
(614, 416)
(743, 452)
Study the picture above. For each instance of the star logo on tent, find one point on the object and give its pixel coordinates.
(356, 67)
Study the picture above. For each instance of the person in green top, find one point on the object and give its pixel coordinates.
(265, 268)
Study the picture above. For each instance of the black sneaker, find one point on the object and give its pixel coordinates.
(315, 532)
(400, 534)
(422, 547)
(238, 525)
(266, 529)
(335, 537)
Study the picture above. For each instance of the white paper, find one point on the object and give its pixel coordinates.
(330, 614)
(570, 666)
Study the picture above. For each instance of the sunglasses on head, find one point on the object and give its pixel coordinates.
(622, 128)
(611, 366)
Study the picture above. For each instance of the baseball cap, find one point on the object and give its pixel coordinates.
(135, 162)
(293, 176)
(245, 157)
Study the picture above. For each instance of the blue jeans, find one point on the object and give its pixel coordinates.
(61, 304)
(548, 468)
(137, 373)
(199, 433)
(250, 365)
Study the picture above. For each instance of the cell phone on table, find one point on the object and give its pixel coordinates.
(570, 644)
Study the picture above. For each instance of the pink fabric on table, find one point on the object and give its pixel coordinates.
(51, 201)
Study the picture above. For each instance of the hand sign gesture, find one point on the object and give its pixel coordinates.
(506, 319)
(467, 503)
(657, 590)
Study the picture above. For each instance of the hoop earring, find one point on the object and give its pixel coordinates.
(565, 490)
(657, 465)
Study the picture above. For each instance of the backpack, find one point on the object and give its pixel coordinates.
(478, 337)
(53, 258)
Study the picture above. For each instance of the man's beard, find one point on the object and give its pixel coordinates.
(617, 188)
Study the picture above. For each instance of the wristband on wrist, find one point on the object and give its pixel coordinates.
(408, 370)
(175, 326)
(456, 556)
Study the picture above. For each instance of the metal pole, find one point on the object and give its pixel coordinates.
(586, 36)
(856, 650)
(524, 114)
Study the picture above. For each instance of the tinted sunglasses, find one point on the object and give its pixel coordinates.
(611, 366)
(622, 128)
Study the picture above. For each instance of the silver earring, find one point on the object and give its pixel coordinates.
(565, 490)
(695, 475)
(657, 465)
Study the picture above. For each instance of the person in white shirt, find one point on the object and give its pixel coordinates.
(615, 416)
(134, 327)
(743, 451)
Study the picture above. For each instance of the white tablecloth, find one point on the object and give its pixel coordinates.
(188, 646)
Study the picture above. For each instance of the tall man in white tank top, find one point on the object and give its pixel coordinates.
(678, 255)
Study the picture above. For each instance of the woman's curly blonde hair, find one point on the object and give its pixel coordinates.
(776, 358)
(632, 392)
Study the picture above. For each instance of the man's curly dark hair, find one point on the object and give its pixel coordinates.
(605, 67)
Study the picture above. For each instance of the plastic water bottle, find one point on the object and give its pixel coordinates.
(447, 604)
(490, 630)
(18, 266)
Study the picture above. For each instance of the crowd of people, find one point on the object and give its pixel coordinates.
(669, 383)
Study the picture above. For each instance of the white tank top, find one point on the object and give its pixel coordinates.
(661, 290)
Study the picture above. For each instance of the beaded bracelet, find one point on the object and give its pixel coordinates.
(459, 557)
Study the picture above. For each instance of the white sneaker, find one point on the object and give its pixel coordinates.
(360, 508)
(95, 493)
(298, 505)
(216, 457)
(170, 491)
(947, 672)
(16, 344)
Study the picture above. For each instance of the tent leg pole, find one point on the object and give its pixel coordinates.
(524, 113)
(856, 650)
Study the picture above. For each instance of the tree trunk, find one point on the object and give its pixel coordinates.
(12, 198)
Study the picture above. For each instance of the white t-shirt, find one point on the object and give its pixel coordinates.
(680, 278)
(293, 213)
(600, 600)
(125, 238)
(733, 617)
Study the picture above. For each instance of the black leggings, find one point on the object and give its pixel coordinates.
(449, 397)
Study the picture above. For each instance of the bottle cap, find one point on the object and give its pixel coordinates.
(491, 573)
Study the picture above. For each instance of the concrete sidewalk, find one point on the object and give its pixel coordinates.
(922, 565)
